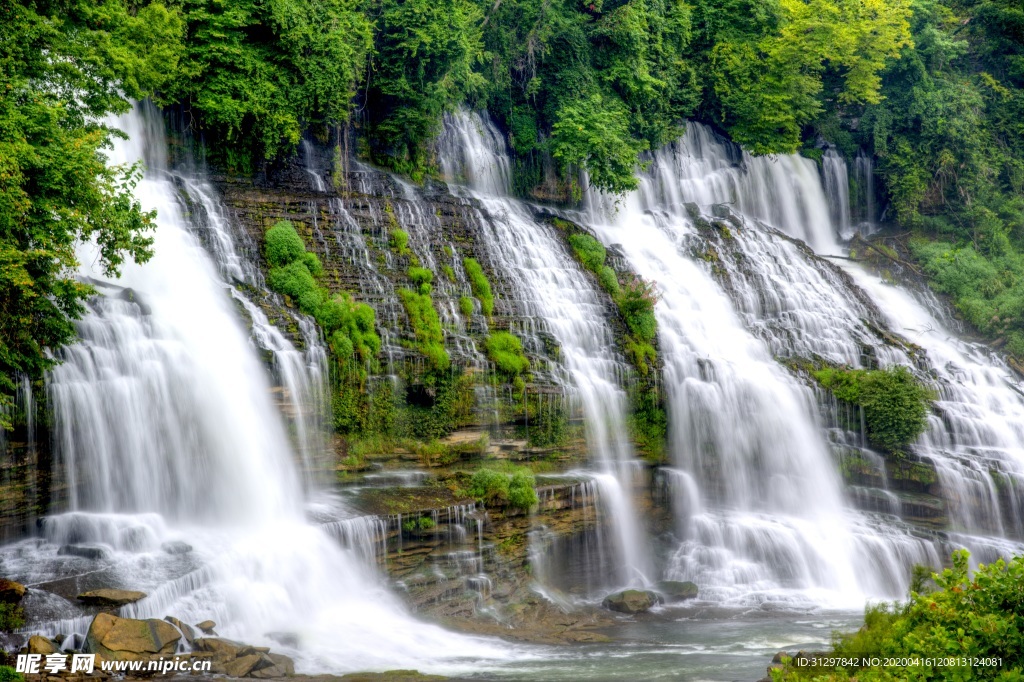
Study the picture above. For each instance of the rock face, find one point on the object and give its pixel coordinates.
(675, 590)
(110, 598)
(10, 591)
(207, 626)
(84, 551)
(186, 629)
(126, 639)
(176, 547)
(235, 659)
(631, 601)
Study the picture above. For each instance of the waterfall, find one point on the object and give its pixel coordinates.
(863, 200)
(771, 522)
(182, 475)
(837, 189)
(561, 298)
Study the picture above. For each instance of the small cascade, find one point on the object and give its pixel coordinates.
(560, 300)
(837, 189)
(862, 200)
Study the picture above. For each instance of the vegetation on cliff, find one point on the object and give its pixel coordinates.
(965, 628)
(894, 402)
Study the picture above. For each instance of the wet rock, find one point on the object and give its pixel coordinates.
(110, 598)
(10, 591)
(283, 662)
(176, 547)
(85, 551)
(37, 644)
(631, 601)
(222, 649)
(129, 639)
(677, 590)
(241, 666)
(207, 626)
(185, 628)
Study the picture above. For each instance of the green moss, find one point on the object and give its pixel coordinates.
(449, 272)
(466, 305)
(479, 284)
(894, 402)
(12, 617)
(399, 241)
(9, 674)
(608, 280)
(506, 351)
(426, 327)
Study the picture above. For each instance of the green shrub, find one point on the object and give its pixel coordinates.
(589, 251)
(283, 244)
(466, 305)
(636, 303)
(489, 487)
(399, 242)
(449, 272)
(608, 280)
(426, 327)
(12, 617)
(295, 280)
(979, 618)
(506, 351)
(9, 674)
(420, 524)
(313, 264)
(521, 492)
(478, 282)
(420, 276)
(499, 489)
(895, 403)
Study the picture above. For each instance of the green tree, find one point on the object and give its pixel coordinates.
(64, 68)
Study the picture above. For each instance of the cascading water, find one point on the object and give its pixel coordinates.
(559, 297)
(182, 480)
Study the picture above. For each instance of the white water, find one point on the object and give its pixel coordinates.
(169, 432)
(561, 298)
(771, 523)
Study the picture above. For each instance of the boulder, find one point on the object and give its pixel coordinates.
(125, 639)
(222, 649)
(110, 598)
(37, 644)
(185, 628)
(241, 666)
(10, 591)
(176, 547)
(631, 601)
(84, 551)
(207, 626)
(283, 662)
(676, 590)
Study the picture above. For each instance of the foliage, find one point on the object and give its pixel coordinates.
(426, 53)
(9, 674)
(592, 134)
(255, 74)
(895, 403)
(636, 303)
(499, 489)
(479, 284)
(590, 252)
(506, 351)
(426, 327)
(12, 617)
(65, 67)
(979, 617)
(466, 305)
(350, 327)
(423, 523)
(399, 242)
(283, 244)
(422, 278)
